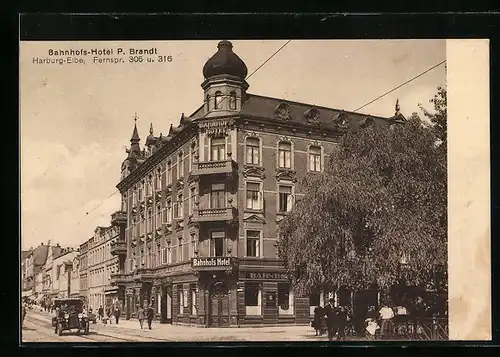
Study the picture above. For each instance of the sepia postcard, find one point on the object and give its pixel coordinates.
(255, 190)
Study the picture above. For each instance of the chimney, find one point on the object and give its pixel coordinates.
(57, 245)
(41, 243)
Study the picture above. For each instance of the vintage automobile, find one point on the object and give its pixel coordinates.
(70, 316)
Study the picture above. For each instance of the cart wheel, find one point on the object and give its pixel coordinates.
(59, 329)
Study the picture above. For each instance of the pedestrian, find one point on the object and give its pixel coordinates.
(117, 314)
(341, 323)
(108, 314)
(317, 323)
(386, 316)
(150, 315)
(331, 317)
(100, 312)
(141, 315)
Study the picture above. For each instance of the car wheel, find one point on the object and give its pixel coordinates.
(59, 329)
(55, 331)
(87, 328)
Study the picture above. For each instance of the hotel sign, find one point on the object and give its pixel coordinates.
(212, 263)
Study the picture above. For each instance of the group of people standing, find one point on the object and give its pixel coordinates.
(335, 319)
(377, 324)
(115, 312)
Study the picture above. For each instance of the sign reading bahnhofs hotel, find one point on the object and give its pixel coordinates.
(212, 263)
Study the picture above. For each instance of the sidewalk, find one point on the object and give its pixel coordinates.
(170, 332)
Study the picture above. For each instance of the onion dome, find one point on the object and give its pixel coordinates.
(225, 62)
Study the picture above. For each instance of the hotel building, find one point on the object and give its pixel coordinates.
(201, 206)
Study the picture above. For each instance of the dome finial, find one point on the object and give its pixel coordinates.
(225, 62)
(135, 116)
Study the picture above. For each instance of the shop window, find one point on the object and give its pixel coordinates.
(217, 244)
(315, 159)
(285, 155)
(217, 196)
(285, 198)
(253, 299)
(253, 151)
(181, 301)
(218, 149)
(193, 301)
(253, 244)
(285, 299)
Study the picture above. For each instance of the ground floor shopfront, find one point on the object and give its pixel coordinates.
(229, 292)
(215, 292)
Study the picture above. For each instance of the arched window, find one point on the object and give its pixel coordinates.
(232, 101)
(208, 101)
(218, 100)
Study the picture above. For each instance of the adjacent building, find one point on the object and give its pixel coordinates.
(201, 206)
(83, 271)
(97, 266)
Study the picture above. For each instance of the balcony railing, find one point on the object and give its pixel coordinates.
(215, 214)
(215, 167)
(118, 248)
(119, 217)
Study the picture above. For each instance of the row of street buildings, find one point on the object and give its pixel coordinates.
(197, 231)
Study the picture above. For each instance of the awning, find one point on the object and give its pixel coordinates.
(40, 298)
(26, 293)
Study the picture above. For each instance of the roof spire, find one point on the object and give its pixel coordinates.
(397, 106)
(135, 135)
(151, 129)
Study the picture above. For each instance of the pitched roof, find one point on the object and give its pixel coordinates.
(266, 107)
(24, 254)
(40, 255)
(56, 251)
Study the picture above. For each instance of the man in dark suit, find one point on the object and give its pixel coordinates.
(331, 319)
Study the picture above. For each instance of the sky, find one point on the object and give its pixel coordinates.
(77, 119)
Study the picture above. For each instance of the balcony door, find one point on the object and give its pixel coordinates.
(218, 196)
(217, 244)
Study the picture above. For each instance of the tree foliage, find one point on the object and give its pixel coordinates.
(380, 202)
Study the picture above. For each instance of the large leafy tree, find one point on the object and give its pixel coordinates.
(377, 214)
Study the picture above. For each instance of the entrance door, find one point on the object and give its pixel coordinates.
(218, 309)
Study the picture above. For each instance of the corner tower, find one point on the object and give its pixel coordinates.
(224, 85)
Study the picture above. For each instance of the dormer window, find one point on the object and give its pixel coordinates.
(218, 100)
(208, 101)
(232, 101)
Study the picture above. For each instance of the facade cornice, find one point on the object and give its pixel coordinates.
(290, 128)
(156, 158)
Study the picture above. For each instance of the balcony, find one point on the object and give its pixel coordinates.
(118, 279)
(118, 218)
(118, 248)
(215, 167)
(144, 275)
(215, 214)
